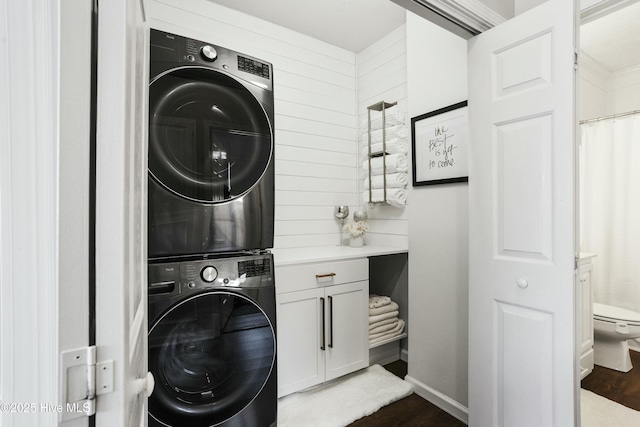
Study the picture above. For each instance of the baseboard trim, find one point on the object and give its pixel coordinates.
(443, 402)
(404, 355)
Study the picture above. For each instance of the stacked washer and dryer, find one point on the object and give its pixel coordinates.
(212, 344)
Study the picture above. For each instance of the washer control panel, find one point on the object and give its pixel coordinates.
(255, 267)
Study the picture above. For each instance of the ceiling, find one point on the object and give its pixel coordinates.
(613, 40)
(350, 24)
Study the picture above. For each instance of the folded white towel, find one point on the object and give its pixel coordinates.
(394, 180)
(394, 163)
(395, 145)
(384, 309)
(398, 328)
(396, 197)
(383, 316)
(378, 300)
(384, 328)
(393, 116)
(398, 131)
(388, 335)
(382, 322)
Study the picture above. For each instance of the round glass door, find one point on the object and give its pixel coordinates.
(209, 137)
(210, 355)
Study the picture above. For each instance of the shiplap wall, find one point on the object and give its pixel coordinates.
(382, 76)
(320, 99)
(315, 120)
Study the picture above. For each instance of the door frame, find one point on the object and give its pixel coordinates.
(43, 199)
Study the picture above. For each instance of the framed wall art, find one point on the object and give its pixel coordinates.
(439, 141)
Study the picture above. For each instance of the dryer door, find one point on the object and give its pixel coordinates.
(211, 355)
(209, 138)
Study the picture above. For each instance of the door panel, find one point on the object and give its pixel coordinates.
(523, 65)
(522, 369)
(121, 191)
(513, 323)
(523, 146)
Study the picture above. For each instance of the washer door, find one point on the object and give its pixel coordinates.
(209, 137)
(211, 356)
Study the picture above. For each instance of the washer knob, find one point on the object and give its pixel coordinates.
(209, 274)
(208, 53)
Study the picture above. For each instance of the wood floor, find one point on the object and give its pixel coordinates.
(412, 411)
(621, 387)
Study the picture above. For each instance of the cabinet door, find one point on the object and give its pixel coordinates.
(586, 323)
(299, 323)
(347, 326)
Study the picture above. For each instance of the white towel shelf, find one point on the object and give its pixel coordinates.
(392, 339)
(380, 107)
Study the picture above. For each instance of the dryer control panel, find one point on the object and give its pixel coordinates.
(168, 48)
(250, 271)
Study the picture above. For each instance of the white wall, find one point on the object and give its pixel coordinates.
(604, 93)
(623, 91)
(315, 121)
(592, 93)
(522, 6)
(382, 76)
(438, 230)
(504, 8)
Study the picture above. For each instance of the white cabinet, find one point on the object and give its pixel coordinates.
(585, 265)
(322, 322)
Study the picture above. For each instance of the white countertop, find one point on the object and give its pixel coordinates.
(329, 253)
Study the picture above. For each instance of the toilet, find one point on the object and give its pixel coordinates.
(612, 327)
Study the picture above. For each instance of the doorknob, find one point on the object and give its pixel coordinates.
(522, 283)
(145, 384)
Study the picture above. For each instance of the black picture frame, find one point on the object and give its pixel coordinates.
(439, 142)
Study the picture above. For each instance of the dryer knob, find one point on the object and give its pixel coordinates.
(208, 53)
(209, 274)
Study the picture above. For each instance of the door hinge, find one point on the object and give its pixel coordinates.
(575, 59)
(82, 381)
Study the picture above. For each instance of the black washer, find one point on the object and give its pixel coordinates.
(212, 346)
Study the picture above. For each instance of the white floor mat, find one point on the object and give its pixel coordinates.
(597, 411)
(341, 402)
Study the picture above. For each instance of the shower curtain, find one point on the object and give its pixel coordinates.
(610, 208)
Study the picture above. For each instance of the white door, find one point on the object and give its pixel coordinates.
(522, 364)
(121, 187)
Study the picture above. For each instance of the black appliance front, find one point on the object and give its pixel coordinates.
(211, 175)
(212, 344)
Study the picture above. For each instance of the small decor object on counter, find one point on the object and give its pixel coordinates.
(341, 212)
(356, 230)
(356, 242)
(360, 216)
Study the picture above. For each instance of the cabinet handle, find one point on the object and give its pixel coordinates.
(330, 321)
(322, 276)
(322, 311)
